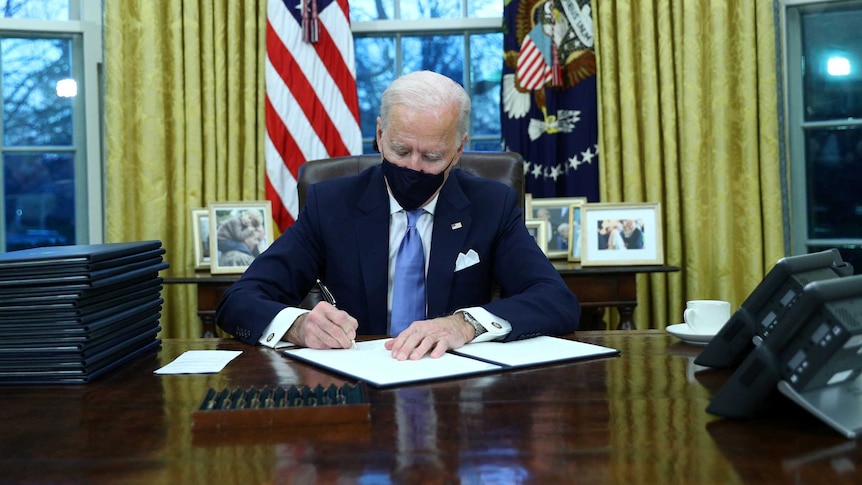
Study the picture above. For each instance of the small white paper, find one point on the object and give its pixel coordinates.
(199, 362)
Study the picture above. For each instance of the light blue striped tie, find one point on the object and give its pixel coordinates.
(408, 288)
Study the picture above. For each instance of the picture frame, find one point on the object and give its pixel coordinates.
(538, 230)
(201, 237)
(240, 231)
(555, 211)
(609, 230)
(575, 244)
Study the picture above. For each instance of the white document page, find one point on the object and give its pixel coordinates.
(199, 362)
(534, 351)
(371, 362)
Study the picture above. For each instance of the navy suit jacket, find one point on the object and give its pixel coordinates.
(342, 237)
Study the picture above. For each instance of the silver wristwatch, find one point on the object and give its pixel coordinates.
(478, 327)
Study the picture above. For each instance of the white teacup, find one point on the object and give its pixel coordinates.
(706, 316)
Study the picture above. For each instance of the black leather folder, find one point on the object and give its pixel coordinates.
(80, 363)
(28, 347)
(89, 257)
(78, 375)
(85, 279)
(83, 334)
(64, 268)
(64, 356)
(75, 309)
(75, 297)
(29, 294)
(82, 324)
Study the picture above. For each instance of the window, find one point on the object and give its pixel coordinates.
(824, 106)
(464, 42)
(50, 178)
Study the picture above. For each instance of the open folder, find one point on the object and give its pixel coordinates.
(372, 363)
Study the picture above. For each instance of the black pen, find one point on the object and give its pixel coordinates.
(327, 295)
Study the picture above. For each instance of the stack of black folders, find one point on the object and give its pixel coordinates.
(69, 314)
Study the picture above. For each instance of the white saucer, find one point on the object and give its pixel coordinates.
(684, 332)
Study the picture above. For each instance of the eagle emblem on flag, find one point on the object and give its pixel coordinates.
(556, 52)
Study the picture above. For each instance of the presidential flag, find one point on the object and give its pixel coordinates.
(311, 106)
(549, 103)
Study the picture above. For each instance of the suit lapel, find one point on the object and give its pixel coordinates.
(372, 237)
(451, 225)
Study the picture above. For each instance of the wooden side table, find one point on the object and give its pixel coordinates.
(210, 290)
(599, 287)
(596, 287)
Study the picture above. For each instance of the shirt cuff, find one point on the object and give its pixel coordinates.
(497, 328)
(279, 326)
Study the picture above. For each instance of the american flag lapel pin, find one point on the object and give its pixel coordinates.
(456, 226)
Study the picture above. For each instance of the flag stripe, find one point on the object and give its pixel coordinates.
(296, 87)
(280, 172)
(533, 72)
(291, 125)
(340, 63)
(311, 108)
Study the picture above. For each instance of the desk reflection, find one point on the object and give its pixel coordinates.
(799, 449)
(636, 418)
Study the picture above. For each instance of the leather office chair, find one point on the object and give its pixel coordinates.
(506, 167)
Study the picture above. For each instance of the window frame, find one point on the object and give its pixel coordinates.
(796, 204)
(85, 31)
(399, 28)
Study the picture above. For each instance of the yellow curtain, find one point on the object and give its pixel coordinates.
(183, 125)
(688, 118)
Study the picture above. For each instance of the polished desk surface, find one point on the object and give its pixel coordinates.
(636, 418)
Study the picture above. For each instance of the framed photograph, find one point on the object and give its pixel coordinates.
(201, 237)
(555, 212)
(574, 239)
(528, 201)
(620, 234)
(240, 231)
(538, 230)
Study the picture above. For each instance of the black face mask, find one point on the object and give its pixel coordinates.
(411, 188)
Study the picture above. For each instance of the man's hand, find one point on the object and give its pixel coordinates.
(436, 336)
(324, 327)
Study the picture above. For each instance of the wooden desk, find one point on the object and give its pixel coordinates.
(636, 418)
(595, 287)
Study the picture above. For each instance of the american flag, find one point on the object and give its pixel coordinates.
(312, 110)
(534, 71)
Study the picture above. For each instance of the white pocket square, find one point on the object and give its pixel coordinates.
(466, 260)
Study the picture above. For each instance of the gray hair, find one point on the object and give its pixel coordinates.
(426, 90)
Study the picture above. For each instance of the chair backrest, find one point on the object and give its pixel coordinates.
(505, 167)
